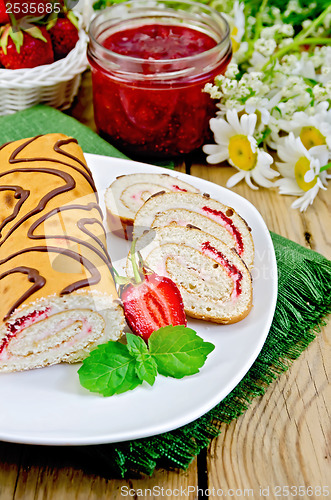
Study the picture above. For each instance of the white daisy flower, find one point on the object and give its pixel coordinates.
(312, 130)
(236, 144)
(236, 22)
(295, 167)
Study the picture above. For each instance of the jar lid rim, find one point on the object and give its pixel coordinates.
(224, 39)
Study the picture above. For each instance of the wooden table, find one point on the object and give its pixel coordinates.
(283, 439)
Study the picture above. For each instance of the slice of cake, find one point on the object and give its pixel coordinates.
(201, 211)
(214, 281)
(128, 193)
(58, 298)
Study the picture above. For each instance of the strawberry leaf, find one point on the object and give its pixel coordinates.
(35, 33)
(51, 23)
(17, 37)
(4, 40)
(109, 370)
(146, 368)
(178, 351)
(71, 16)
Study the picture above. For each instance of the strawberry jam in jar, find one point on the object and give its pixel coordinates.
(150, 61)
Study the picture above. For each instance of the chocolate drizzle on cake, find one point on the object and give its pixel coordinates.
(33, 276)
(93, 242)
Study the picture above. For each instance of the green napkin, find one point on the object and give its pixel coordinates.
(304, 299)
(42, 119)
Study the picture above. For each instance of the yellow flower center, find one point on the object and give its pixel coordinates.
(235, 44)
(301, 167)
(311, 136)
(240, 152)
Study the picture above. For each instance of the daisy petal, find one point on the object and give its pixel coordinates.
(260, 180)
(235, 179)
(233, 120)
(249, 182)
(221, 129)
(288, 187)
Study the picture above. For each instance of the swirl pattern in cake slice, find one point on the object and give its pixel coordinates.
(214, 281)
(201, 211)
(128, 193)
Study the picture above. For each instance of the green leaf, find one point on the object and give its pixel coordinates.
(265, 134)
(109, 370)
(35, 33)
(17, 37)
(71, 16)
(136, 345)
(178, 351)
(146, 367)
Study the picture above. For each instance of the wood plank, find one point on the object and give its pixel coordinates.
(284, 437)
(66, 473)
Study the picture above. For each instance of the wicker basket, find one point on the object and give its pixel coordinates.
(54, 84)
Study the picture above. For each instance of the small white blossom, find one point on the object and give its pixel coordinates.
(213, 90)
(306, 23)
(228, 86)
(232, 70)
(285, 42)
(265, 46)
(287, 30)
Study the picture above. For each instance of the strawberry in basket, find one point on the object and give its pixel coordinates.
(64, 34)
(4, 18)
(23, 45)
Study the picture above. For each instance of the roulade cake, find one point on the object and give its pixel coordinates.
(198, 210)
(126, 195)
(213, 280)
(58, 298)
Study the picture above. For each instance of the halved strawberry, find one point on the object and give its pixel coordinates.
(150, 301)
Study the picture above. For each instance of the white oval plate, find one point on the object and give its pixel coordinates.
(48, 406)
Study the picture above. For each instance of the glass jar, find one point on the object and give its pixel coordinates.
(150, 60)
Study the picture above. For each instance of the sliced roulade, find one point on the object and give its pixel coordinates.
(129, 192)
(58, 298)
(199, 210)
(214, 281)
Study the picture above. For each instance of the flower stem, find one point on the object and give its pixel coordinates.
(306, 32)
(328, 165)
(301, 38)
(294, 45)
(258, 24)
(136, 274)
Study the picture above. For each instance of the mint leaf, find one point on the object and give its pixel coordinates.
(178, 351)
(146, 368)
(109, 370)
(136, 345)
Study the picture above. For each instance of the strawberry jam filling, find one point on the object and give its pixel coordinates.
(20, 324)
(177, 188)
(230, 269)
(229, 225)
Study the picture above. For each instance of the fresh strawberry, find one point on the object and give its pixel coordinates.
(64, 35)
(4, 18)
(150, 301)
(25, 46)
